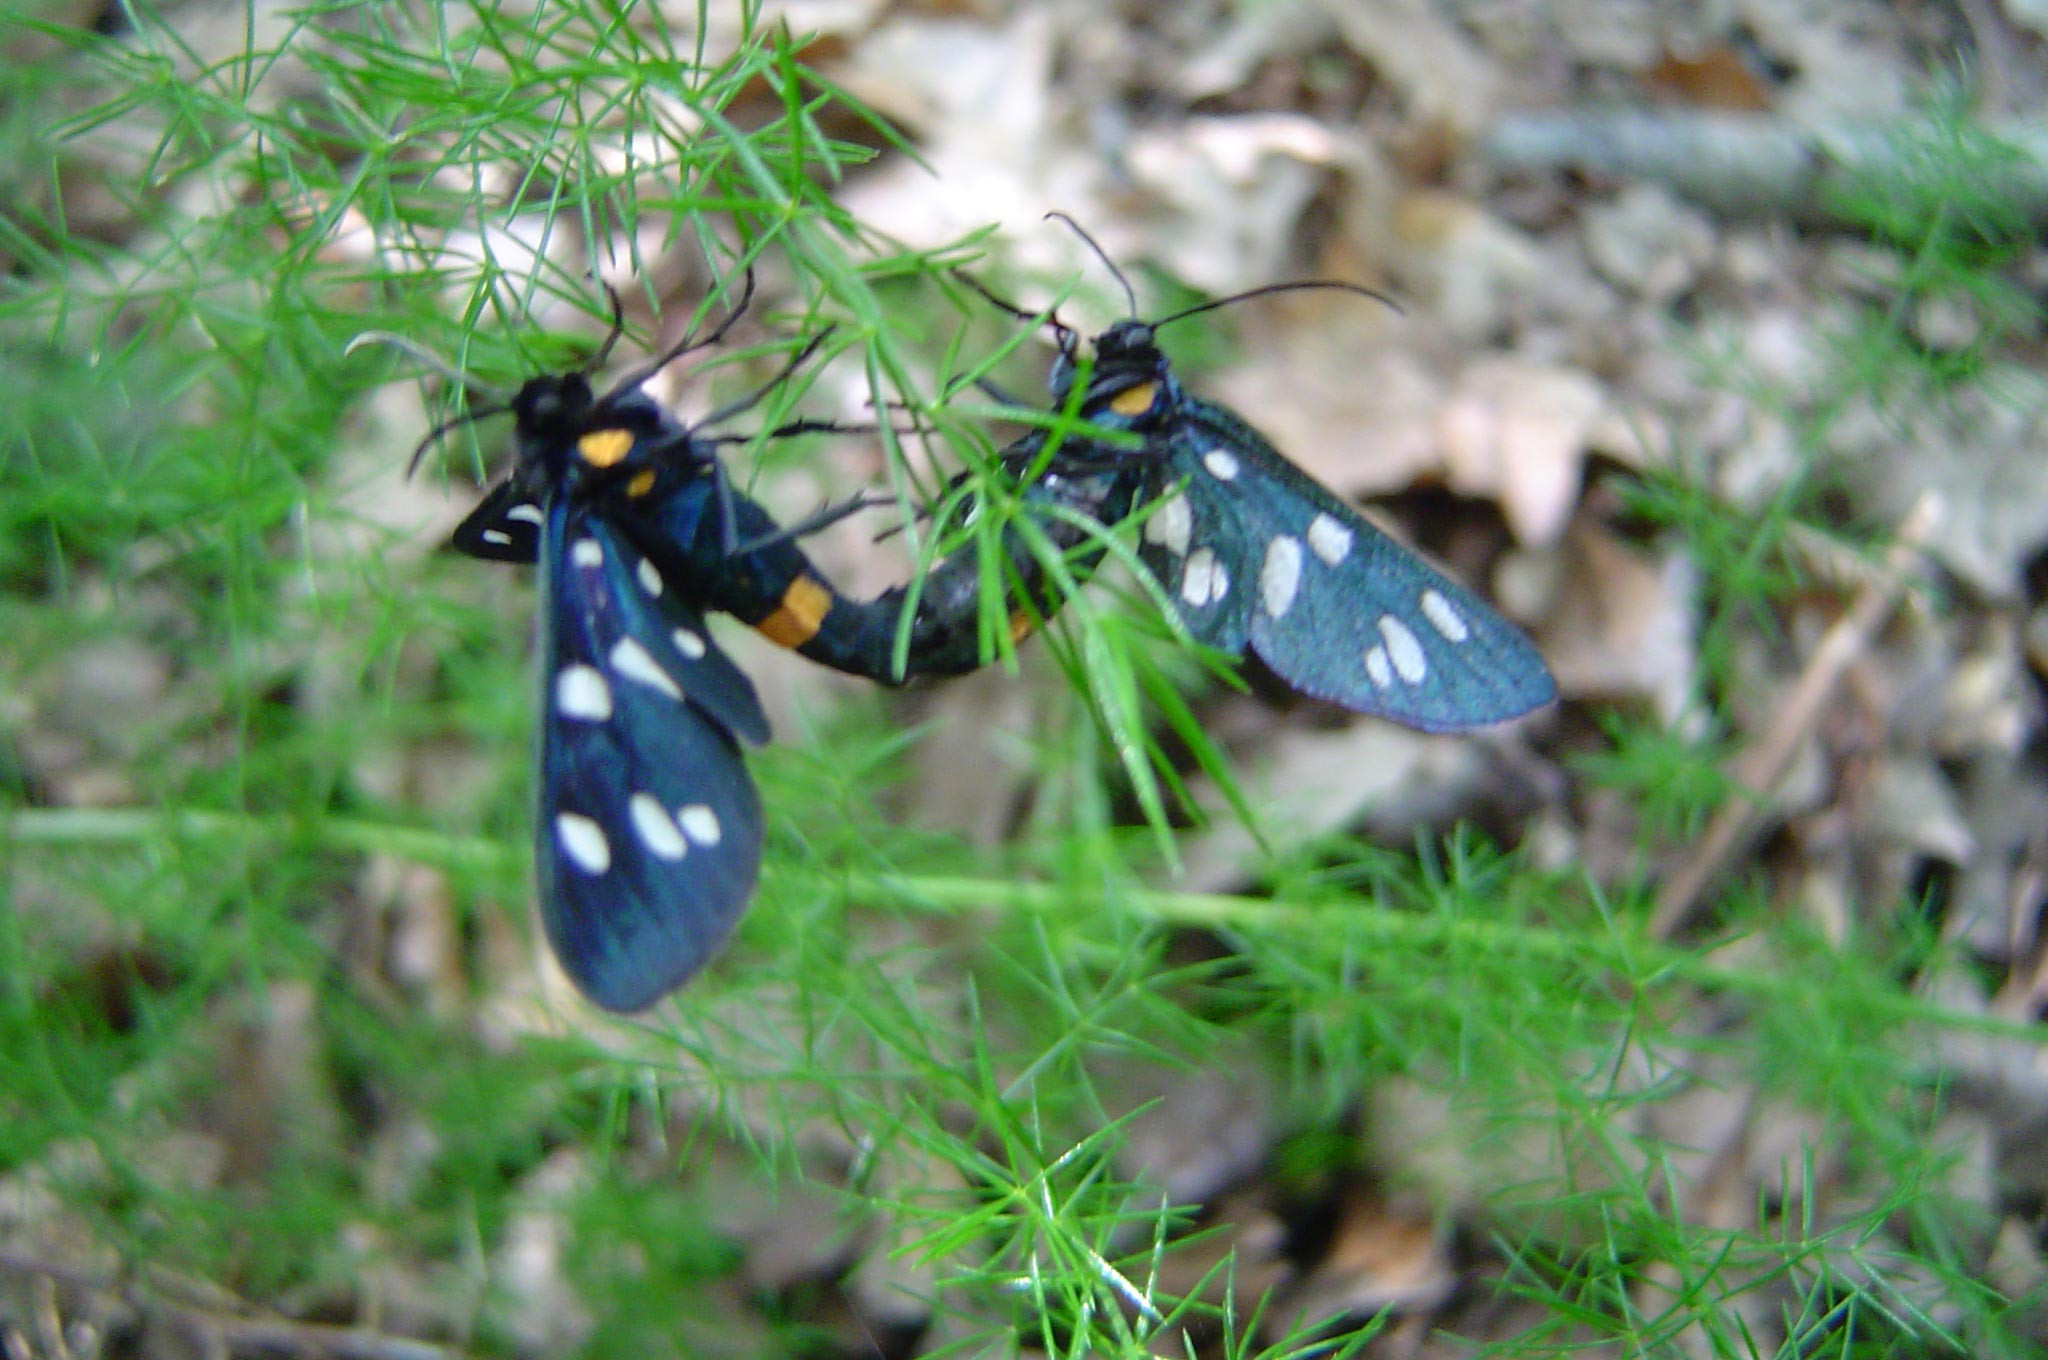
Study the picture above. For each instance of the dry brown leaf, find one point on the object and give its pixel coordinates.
(1980, 449)
(1386, 1253)
(1717, 77)
(1516, 432)
(1458, 265)
(1344, 402)
(1309, 784)
(1418, 49)
(1623, 624)
(1229, 193)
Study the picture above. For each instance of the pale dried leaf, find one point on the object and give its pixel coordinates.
(1624, 623)
(1980, 450)
(1345, 401)
(1910, 801)
(1441, 76)
(537, 1302)
(1517, 432)
(966, 778)
(1647, 241)
(1242, 1249)
(1458, 265)
(992, 151)
(1310, 784)
(1387, 1253)
(1229, 193)
(1254, 35)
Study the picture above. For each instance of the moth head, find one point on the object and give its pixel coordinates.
(553, 406)
(1128, 375)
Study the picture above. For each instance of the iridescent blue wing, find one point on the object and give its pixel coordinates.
(649, 828)
(1256, 553)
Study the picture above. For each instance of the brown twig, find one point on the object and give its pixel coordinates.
(1750, 164)
(229, 1333)
(1760, 770)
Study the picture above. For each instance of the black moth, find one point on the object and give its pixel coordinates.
(648, 828)
(1256, 555)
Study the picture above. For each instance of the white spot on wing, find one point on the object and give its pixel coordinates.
(580, 692)
(582, 840)
(1444, 616)
(498, 536)
(1204, 580)
(1280, 577)
(699, 823)
(1171, 525)
(657, 831)
(1377, 668)
(689, 644)
(650, 579)
(530, 513)
(1222, 464)
(635, 662)
(1329, 539)
(587, 553)
(1404, 649)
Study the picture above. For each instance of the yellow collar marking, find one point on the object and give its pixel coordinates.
(1134, 401)
(605, 448)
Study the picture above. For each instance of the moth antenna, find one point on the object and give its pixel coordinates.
(499, 398)
(1300, 286)
(993, 298)
(1061, 329)
(1102, 255)
(431, 361)
(753, 399)
(434, 435)
(636, 376)
(604, 351)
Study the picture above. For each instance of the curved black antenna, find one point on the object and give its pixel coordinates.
(500, 399)
(728, 513)
(1101, 255)
(753, 398)
(604, 351)
(1296, 287)
(434, 435)
(995, 299)
(1052, 314)
(1299, 286)
(434, 362)
(636, 376)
